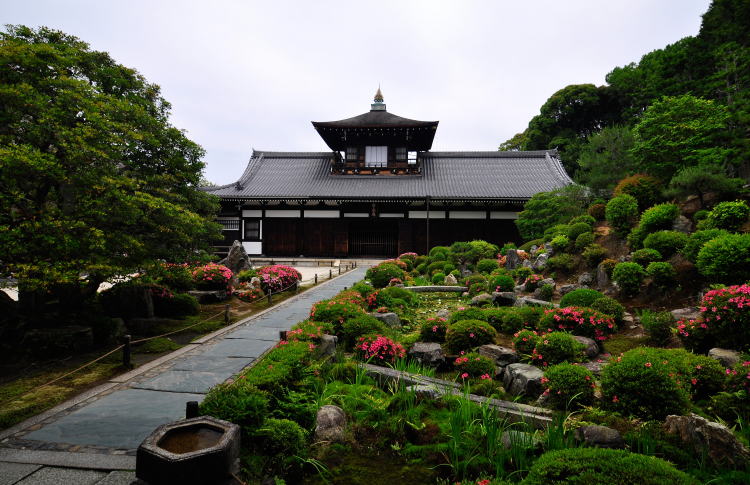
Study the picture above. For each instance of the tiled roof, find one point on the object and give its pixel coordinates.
(374, 119)
(445, 175)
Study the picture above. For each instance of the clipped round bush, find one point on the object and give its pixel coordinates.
(177, 306)
(580, 297)
(238, 403)
(724, 321)
(579, 321)
(545, 292)
(646, 256)
(335, 312)
(577, 229)
(309, 330)
(636, 237)
(560, 243)
(438, 278)
(727, 215)
(521, 273)
(476, 279)
(568, 386)
(277, 277)
(666, 242)
(448, 268)
(589, 466)
(494, 316)
(518, 318)
(658, 217)
(392, 297)
(629, 277)
(281, 440)
(350, 296)
(609, 306)
(435, 267)
(532, 282)
(382, 274)
(584, 218)
(474, 365)
(486, 266)
(524, 341)
(663, 275)
(696, 241)
(176, 276)
(562, 262)
(470, 313)
(363, 289)
(556, 347)
(211, 276)
(608, 266)
(378, 349)
(725, 259)
(439, 253)
(597, 211)
(583, 240)
(528, 244)
(658, 325)
(469, 334)
(502, 283)
(644, 188)
(433, 330)
(556, 230)
(594, 254)
(621, 213)
(360, 326)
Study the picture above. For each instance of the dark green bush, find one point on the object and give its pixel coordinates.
(524, 341)
(438, 278)
(562, 262)
(578, 228)
(659, 217)
(475, 279)
(595, 466)
(238, 403)
(382, 274)
(646, 256)
(658, 325)
(644, 188)
(608, 266)
(282, 441)
(247, 275)
(518, 318)
(439, 253)
(609, 306)
(433, 330)
(363, 289)
(727, 215)
(629, 277)
(663, 275)
(521, 273)
(502, 283)
(593, 255)
(546, 209)
(177, 277)
(335, 311)
(494, 316)
(696, 241)
(725, 259)
(487, 265)
(179, 305)
(585, 218)
(621, 213)
(569, 386)
(474, 364)
(470, 313)
(545, 292)
(560, 243)
(396, 292)
(700, 215)
(448, 267)
(580, 297)
(583, 240)
(506, 246)
(469, 334)
(557, 347)
(534, 242)
(435, 267)
(360, 326)
(558, 230)
(666, 242)
(636, 237)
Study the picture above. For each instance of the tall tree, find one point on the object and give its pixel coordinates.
(606, 158)
(94, 180)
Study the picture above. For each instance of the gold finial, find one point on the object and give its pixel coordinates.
(378, 96)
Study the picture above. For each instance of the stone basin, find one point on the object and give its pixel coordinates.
(191, 452)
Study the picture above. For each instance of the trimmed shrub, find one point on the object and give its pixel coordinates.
(568, 386)
(658, 325)
(502, 283)
(378, 349)
(562, 262)
(382, 274)
(506, 246)
(583, 240)
(486, 266)
(557, 230)
(282, 441)
(644, 188)
(636, 237)
(557, 347)
(629, 277)
(518, 318)
(448, 267)
(608, 265)
(335, 312)
(725, 259)
(696, 241)
(609, 306)
(363, 289)
(277, 277)
(436, 267)
(534, 242)
(179, 305)
(421, 268)
(577, 229)
(725, 321)
(175, 276)
(394, 296)
(438, 278)
(532, 282)
(593, 254)
(439, 253)
(584, 218)
(350, 296)
(579, 321)
(469, 334)
(521, 273)
(211, 276)
(474, 365)
(621, 213)
(604, 466)
(666, 242)
(545, 292)
(560, 243)
(597, 211)
(475, 279)
(309, 331)
(470, 313)
(663, 275)
(727, 215)
(646, 256)
(659, 217)
(238, 403)
(700, 215)
(433, 330)
(360, 326)
(494, 316)
(524, 341)
(580, 297)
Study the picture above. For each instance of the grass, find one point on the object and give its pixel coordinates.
(157, 346)
(618, 344)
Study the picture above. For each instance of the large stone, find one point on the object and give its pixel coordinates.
(515, 439)
(600, 436)
(391, 319)
(713, 439)
(529, 301)
(519, 288)
(727, 357)
(326, 348)
(237, 259)
(443, 313)
(450, 280)
(330, 424)
(586, 279)
(428, 353)
(512, 259)
(526, 263)
(547, 281)
(501, 355)
(688, 313)
(603, 281)
(481, 299)
(540, 262)
(503, 298)
(592, 349)
(424, 391)
(565, 289)
(209, 296)
(595, 366)
(523, 379)
(682, 224)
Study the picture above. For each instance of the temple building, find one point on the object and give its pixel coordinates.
(380, 191)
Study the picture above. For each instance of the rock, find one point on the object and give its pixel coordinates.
(727, 357)
(513, 438)
(714, 439)
(565, 289)
(209, 296)
(481, 299)
(428, 353)
(526, 263)
(523, 379)
(602, 278)
(519, 288)
(529, 301)
(512, 259)
(503, 298)
(600, 436)
(546, 281)
(465, 272)
(682, 224)
(330, 424)
(592, 349)
(586, 279)
(135, 301)
(450, 280)
(540, 295)
(391, 319)
(423, 391)
(595, 366)
(237, 259)
(465, 294)
(444, 313)
(688, 313)
(501, 355)
(326, 348)
(628, 321)
(540, 262)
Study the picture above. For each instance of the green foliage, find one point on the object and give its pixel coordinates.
(524, 341)
(658, 217)
(438, 278)
(578, 228)
(393, 297)
(586, 219)
(579, 321)
(629, 277)
(701, 180)
(281, 440)
(435, 267)
(521, 273)
(569, 386)
(476, 283)
(560, 243)
(177, 306)
(382, 274)
(725, 259)
(494, 316)
(91, 169)
(518, 318)
(584, 240)
(237, 403)
(700, 215)
(557, 347)
(646, 256)
(534, 242)
(502, 283)
(545, 292)
(606, 158)
(176, 277)
(621, 213)
(487, 265)
(354, 328)
(247, 275)
(601, 465)
(593, 254)
(561, 262)
(363, 288)
(470, 313)
(609, 306)
(725, 321)
(658, 325)
(474, 364)
(469, 334)
(696, 241)
(726, 215)
(439, 253)
(644, 188)
(598, 210)
(546, 209)
(335, 311)
(666, 242)
(433, 330)
(663, 275)
(580, 297)
(471, 252)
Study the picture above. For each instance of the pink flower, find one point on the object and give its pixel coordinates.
(614, 399)
(464, 375)
(648, 364)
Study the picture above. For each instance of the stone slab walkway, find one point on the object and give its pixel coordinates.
(114, 422)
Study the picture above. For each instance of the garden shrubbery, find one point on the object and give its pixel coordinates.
(658, 325)
(474, 365)
(211, 276)
(646, 256)
(621, 213)
(433, 330)
(594, 254)
(568, 385)
(629, 276)
(666, 242)
(360, 326)
(580, 321)
(557, 347)
(335, 312)
(584, 240)
(580, 297)
(524, 341)
(517, 318)
(378, 349)
(277, 277)
(609, 306)
(696, 241)
(726, 215)
(469, 334)
(644, 188)
(663, 275)
(470, 313)
(383, 273)
(725, 259)
(725, 321)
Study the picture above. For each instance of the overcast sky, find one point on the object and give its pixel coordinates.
(253, 74)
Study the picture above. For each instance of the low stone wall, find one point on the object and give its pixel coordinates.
(436, 289)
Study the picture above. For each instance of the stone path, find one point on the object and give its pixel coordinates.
(108, 426)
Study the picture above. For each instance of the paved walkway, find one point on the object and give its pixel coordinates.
(103, 430)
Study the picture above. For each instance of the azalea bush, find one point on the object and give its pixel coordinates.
(580, 321)
(524, 341)
(383, 273)
(277, 277)
(568, 385)
(474, 365)
(724, 321)
(532, 282)
(335, 311)
(354, 328)
(176, 276)
(555, 348)
(580, 297)
(211, 276)
(433, 330)
(469, 334)
(378, 349)
(247, 293)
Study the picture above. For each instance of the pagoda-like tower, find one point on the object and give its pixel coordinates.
(377, 142)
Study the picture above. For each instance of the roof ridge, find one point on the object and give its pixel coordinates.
(279, 154)
(558, 168)
(487, 154)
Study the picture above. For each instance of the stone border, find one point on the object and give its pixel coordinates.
(436, 289)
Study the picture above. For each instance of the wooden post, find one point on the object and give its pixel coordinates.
(270, 298)
(316, 278)
(282, 334)
(226, 314)
(330, 274)
(126, 351)
(339, 270)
